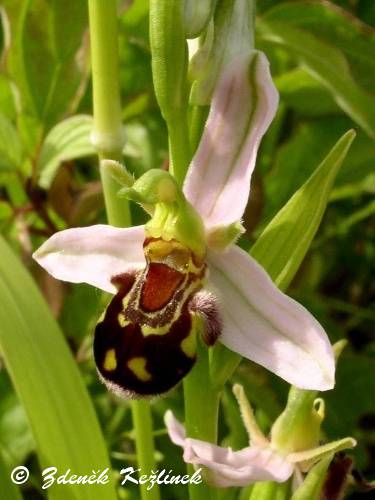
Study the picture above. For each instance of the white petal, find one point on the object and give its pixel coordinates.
(92, 254)
(268, 327)
(225, 467)
(240, 468)
(243, 106)
(176, 430)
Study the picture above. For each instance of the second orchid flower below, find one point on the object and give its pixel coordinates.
(288, 453)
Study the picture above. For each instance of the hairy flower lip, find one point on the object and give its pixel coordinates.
(259, 321)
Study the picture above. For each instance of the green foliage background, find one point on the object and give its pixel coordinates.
(322, 60)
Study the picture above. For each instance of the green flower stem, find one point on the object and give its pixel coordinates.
(201, 414)
(118, 212)
(108, 134)
(145, 445)
(109, 138)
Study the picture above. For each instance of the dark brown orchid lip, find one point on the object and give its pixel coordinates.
(145, 342)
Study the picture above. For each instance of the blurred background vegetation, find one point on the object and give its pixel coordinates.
(323, 61)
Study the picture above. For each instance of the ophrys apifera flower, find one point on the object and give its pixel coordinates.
(182, 271)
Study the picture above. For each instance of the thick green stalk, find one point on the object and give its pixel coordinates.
(109, 138)
(145, 445)
(108, 134)
(201, 414)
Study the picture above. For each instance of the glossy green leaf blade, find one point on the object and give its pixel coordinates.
(326, 63)
(284, 243)
(68, 140)
(48, 384)
(9, 490)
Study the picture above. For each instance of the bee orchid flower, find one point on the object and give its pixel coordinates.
(264, 459)
(184, 265)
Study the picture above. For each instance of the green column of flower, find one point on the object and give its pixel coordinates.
(108, 136)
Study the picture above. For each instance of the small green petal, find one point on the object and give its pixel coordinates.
(256, 436)
(309, 457)
(221, 237)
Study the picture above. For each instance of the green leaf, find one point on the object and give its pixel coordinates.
(68, 140)
(10, 145)
(48, 384)
(41, 58)
(284, 243)
(327, 64)
(8, 489)
(312, 485)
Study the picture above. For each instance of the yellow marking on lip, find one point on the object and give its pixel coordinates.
(125, 301)
(138, 367)
(159, 330)
(189, 345)
(122, 321)
(110, 361)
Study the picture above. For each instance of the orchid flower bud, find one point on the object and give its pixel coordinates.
(196, 16)
(169, 61)
(229, 36)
